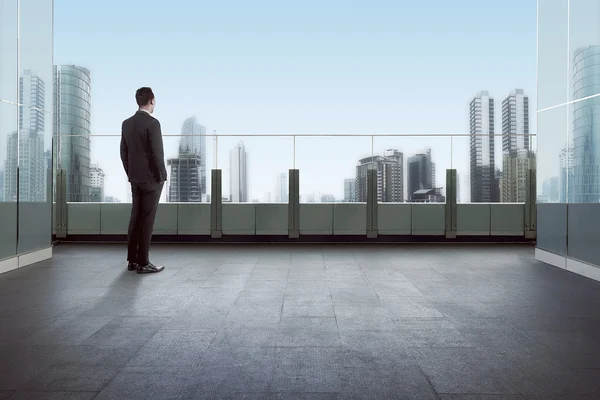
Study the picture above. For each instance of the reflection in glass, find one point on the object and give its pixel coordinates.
(553, 65)
(554, 157)
(27, 146)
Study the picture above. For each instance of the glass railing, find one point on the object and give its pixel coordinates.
(332, 167)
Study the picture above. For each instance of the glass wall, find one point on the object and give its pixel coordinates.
(26, 31)
(568, 128)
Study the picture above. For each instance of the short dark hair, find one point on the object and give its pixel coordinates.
(143, 96)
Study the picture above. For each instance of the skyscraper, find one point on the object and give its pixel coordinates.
(96, 183)
(428, 152)
(419, 174)
(586, 133)
(25, 165)
(567, 164)
(390, 177)
(187, 181)
(238, 174)
(349, 190)
(281, 188)
(72, 128)
(484, 184)
(517, 157)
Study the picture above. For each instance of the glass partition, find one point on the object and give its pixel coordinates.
(333, 168)
(255, 168)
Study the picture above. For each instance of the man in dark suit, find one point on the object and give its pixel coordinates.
(143, 158)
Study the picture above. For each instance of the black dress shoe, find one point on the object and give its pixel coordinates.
(149, 268)
(132, 266)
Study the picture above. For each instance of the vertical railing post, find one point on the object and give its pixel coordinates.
(372, 213)
(450, 210)
(216, 204)
(294, 204)
(60, 223)
(530, 206)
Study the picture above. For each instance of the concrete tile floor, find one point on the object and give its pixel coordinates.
(299, 322)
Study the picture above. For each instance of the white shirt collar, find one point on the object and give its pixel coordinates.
(144, 110)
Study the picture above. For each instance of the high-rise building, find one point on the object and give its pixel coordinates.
(390, 177)
(484, 184)
(28, 148)
(25, 165)
(517, 157)
(567, 170)
(513, 185)
(281, 188)
(515, 122)
(586, 133)
(238, 174)
(72, 128)
(428, 153)
(419, 173)
(96, 183)
(187, 177)
(32, 94)
(349, 190)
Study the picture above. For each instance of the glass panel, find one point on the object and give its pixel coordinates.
(255, 168)
(35, 126)
(8, 180)
(553, 65)
(8, 50)
(478, 163)
(421, 172)
(584, 48)
(329, 167)
(554, 157)
(584, 139)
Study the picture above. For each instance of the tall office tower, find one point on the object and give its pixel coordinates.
(238, 174)
(483, 180)
(457, 188)
(513, 185)
(96, 183)
(32, 93)
(25, 167)
(390, 177)
(187, 178)
(349, 190)
(281, 188)
(419, 175)
(515, 122)
(567, 171)
(72, 128)
(517, 157)
(586, 133)
(28, 149)
(428, 153)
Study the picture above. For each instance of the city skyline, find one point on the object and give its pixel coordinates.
(295, 94)
(269, 75)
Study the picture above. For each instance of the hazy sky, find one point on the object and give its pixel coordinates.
(304, 67)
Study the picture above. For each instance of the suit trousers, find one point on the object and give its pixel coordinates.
(145, 197)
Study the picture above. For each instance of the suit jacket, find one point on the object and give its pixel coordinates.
(142, 149)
